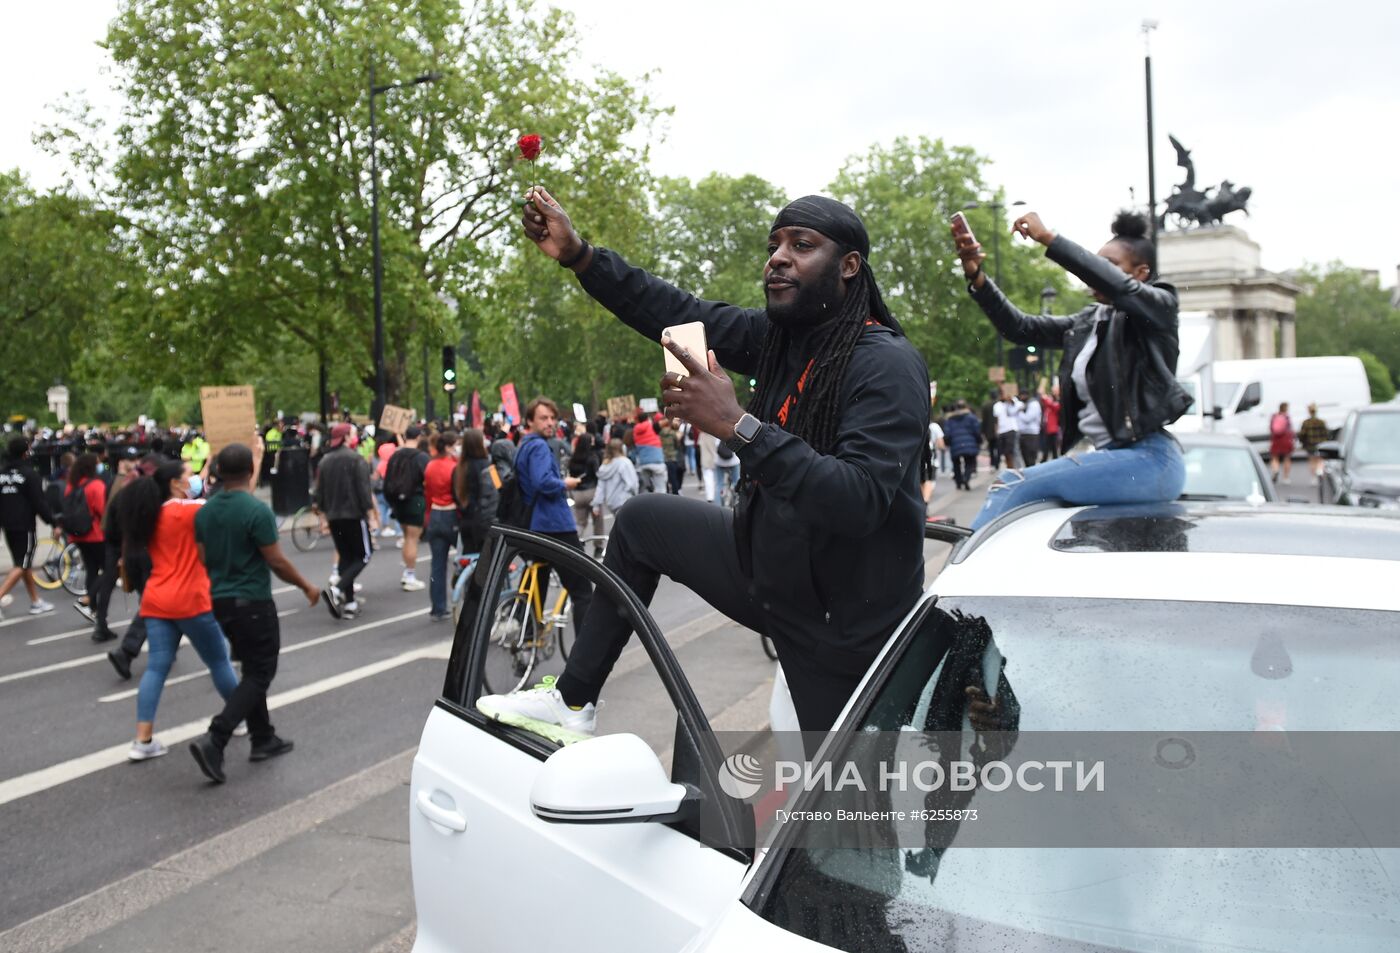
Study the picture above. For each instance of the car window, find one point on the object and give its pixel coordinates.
(517, 630)
(1087, 665)
(1377, 440)
(1226, 473)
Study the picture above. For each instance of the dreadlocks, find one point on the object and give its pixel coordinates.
(818, 410)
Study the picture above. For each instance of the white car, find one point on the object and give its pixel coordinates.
(1183, 616)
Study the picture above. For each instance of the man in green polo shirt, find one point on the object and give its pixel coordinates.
(237, 536)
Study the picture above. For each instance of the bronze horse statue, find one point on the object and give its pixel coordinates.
(1193, 206)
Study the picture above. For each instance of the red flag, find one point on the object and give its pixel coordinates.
(478, 415)
(510, 404)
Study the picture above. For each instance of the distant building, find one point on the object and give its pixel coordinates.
(1216, 269)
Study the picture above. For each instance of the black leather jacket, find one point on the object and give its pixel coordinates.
(1132, 373)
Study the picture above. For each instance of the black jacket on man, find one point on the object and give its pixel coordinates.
(342, 485)
(836, 540)
(21, 497)
(1132, 373)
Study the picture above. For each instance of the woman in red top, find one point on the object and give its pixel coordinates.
(1281, 441)
(82, 479)
(155, 512)
(441, 529)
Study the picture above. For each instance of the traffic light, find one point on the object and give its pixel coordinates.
(449, 368)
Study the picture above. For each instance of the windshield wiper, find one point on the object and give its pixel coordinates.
(1203, 497)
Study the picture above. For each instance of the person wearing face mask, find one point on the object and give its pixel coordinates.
(824, 552)
(1117, 374)
(156, 514)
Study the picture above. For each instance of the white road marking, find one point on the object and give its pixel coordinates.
(90, 659)
(85, 631)
(32, 783)
(321, 640)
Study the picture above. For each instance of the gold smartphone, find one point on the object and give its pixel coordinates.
(691, 337)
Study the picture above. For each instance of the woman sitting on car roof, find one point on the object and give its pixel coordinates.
(1117, 374)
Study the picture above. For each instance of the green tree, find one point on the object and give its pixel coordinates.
(1377, 375)
(243, 173)
(1345, 311)
(62, 270)
(906, 193)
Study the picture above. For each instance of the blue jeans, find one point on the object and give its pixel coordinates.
(441, 534)
(723, 475)
(1149, 471)
(163, 638)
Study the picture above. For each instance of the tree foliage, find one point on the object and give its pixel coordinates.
(1345, 311)
(244, 171)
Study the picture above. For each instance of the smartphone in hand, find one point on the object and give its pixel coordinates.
(691, 337)
(961, 229)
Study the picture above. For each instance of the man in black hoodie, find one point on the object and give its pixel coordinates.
(21, 501)
(825, 552)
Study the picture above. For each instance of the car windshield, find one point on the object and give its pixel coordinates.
(1377, 440)
(1221, 473)
(1095, 665)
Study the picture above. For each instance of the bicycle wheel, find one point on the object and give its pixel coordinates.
(512, 646)
(769, 649)
(48, 564)
(306, 530)
(72, 571)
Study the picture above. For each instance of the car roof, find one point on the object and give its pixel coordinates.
(1270, 554)
(1386, 408)
(1203, 438)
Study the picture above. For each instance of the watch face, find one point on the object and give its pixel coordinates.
(747, 428)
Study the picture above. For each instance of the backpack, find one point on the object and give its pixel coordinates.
(512, 508)
(77, 518)
(723, 452)
(1279, 425)
(399, 484)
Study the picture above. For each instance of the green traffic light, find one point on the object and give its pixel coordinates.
(449, 374)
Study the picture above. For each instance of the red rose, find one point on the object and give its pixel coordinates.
(529, 147)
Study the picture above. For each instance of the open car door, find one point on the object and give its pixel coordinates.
(622, 861)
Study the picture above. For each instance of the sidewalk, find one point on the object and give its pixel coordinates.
(327, 873)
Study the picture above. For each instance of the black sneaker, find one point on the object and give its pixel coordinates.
(270, 748)
(121, 662)
(103, 634)
(331, 597)
(209, 757)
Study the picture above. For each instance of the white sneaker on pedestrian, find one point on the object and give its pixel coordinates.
(145, 750)
(387, 532)
(350, 609)
(241, 731)
(85, 611)
(412, 584)
(40, 607)
(541, 710)
(398, 544)
(334, 581)
(6, 601)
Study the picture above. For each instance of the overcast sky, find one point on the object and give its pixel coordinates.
(1300, 101)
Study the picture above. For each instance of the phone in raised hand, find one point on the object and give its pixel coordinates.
(961, 229)
(691, 337)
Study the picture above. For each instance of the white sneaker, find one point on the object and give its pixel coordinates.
(350, 609)
(412, 584)
(241, 731)
(541, 710)
(334, 581)
(145, 750)
(387, 532)
(399, 543)
(6, 601)
(40, 607)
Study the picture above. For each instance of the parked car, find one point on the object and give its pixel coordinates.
(1363, 464)
(1201, 617)
(1224, 466)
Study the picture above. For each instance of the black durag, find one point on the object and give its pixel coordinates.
(842, 225)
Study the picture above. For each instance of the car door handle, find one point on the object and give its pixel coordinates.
(440, 815)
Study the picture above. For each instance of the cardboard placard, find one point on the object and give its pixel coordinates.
(649, 405)
(625, 406)
(580, 414)
(229, 417)
(395, 420)
(996, 375)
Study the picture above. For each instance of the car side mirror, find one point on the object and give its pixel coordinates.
(1216, 413)
(614, 779)
(1251, 397)
(1330, 450)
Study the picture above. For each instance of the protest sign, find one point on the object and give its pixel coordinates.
(395, 420)
(625, 406)
(229, 417)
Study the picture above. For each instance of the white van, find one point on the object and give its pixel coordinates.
(1248, 393)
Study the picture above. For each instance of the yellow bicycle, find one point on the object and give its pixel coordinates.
(530, 627)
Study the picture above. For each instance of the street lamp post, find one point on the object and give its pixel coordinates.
(998, 208)
(380, 397)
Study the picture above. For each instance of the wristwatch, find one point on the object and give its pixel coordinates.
(745, 432)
